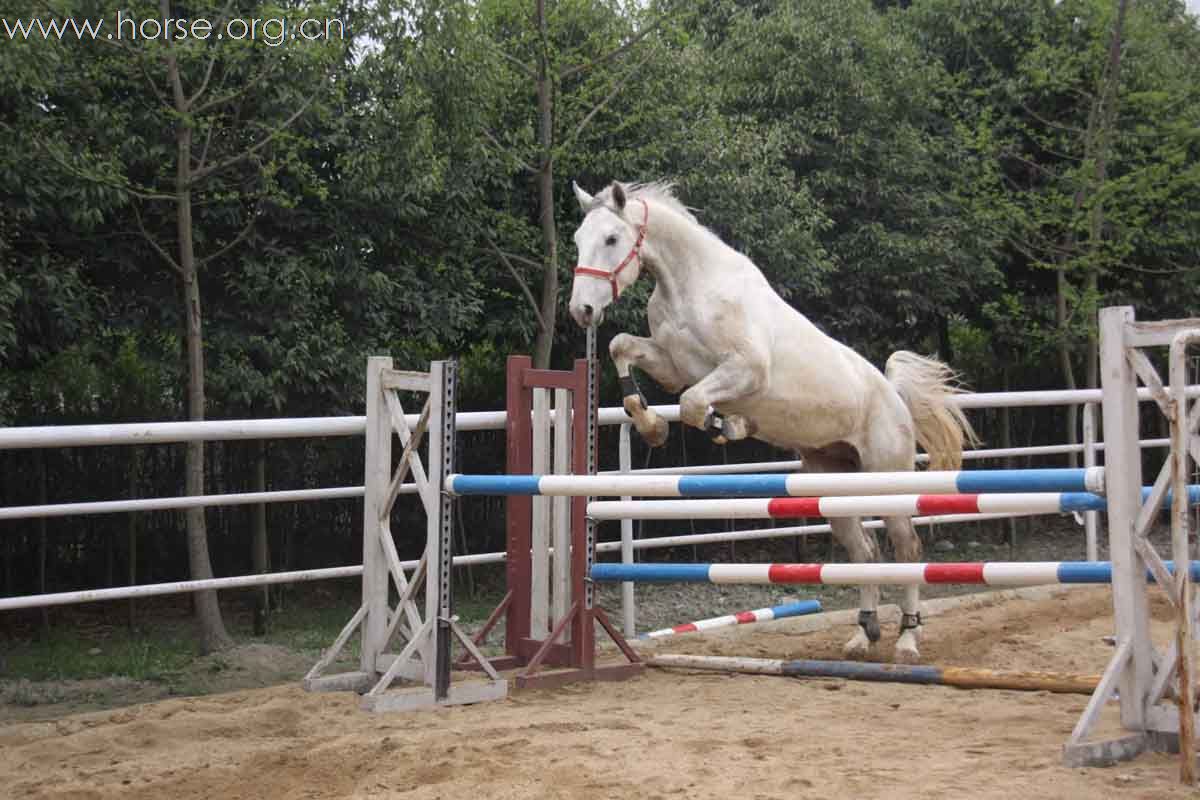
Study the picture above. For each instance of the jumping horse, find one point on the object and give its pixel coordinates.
(750, 365)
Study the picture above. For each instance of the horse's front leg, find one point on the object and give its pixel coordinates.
(734, 379)
(646, 355)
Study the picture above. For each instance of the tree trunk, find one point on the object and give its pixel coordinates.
(213, 635)
(544, 343)
(1064, 359)
(260, 555)
(1107, 97)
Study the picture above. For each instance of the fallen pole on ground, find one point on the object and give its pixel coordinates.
(960, 677)
(741, 618)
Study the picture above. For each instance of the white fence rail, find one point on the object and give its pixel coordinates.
(311, 427)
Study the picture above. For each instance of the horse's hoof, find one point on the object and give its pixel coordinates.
(858, 647)
(906, 647)
(736, 427)
(656, 436)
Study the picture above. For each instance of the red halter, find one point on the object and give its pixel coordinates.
(636, 252)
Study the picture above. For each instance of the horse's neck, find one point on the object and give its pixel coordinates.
(681, 254)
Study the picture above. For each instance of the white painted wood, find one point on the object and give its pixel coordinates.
(1124, 473)
(330, 654)
(628, 598)
(399, 423)
(342, 682)
(414, 670)
(1104, 691)
(378, 448)
(1156, 565)
(406, 458)
(421, 698)
(1106, 753)
(471, 648)
(1091, 519)
(406, 381)
(1165, 674)
(400, 661)
(1149, 376)
(408, 588)
(1153, 507)
(1159, 333)
(539, 572)
(1163, 718)
(560, 584)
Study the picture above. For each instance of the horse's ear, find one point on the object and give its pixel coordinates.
(618, 196)
(585, 199)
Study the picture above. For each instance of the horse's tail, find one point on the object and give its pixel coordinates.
(926, 386)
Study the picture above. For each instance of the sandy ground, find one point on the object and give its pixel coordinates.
(666, 734)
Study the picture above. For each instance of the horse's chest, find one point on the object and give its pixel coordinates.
(692, 357)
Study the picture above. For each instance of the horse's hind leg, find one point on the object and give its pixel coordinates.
(908, 548)
(862, 548)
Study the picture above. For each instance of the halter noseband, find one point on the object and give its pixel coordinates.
(636, 252)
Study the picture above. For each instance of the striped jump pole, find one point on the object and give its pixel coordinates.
(961, 677)
(899, 505)
(783, 485)
(740, 618)
(993, 573)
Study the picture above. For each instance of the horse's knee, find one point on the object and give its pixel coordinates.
(693, 408)
(619, 347)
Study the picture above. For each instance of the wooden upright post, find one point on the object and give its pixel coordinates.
(518, 509)
(1123, 469)
(375, 484)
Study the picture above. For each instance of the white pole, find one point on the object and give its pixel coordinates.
(177, 587)
(628, 601)
(195, 501)
(1091, 519)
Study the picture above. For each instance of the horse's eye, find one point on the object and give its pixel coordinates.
(610, 241)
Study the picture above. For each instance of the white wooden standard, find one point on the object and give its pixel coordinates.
(560, 599)
(539, 572)
(426, 633)
(1139, 675)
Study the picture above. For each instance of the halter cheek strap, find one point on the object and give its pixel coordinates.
(635, 253)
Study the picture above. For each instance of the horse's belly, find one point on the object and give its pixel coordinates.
(796, 423)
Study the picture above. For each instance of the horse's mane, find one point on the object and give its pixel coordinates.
(657, 191)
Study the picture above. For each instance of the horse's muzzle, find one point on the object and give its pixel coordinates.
(586, 316)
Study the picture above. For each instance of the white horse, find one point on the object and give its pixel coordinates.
(753, 366)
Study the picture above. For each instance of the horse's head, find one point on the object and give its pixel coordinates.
(609, 243)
